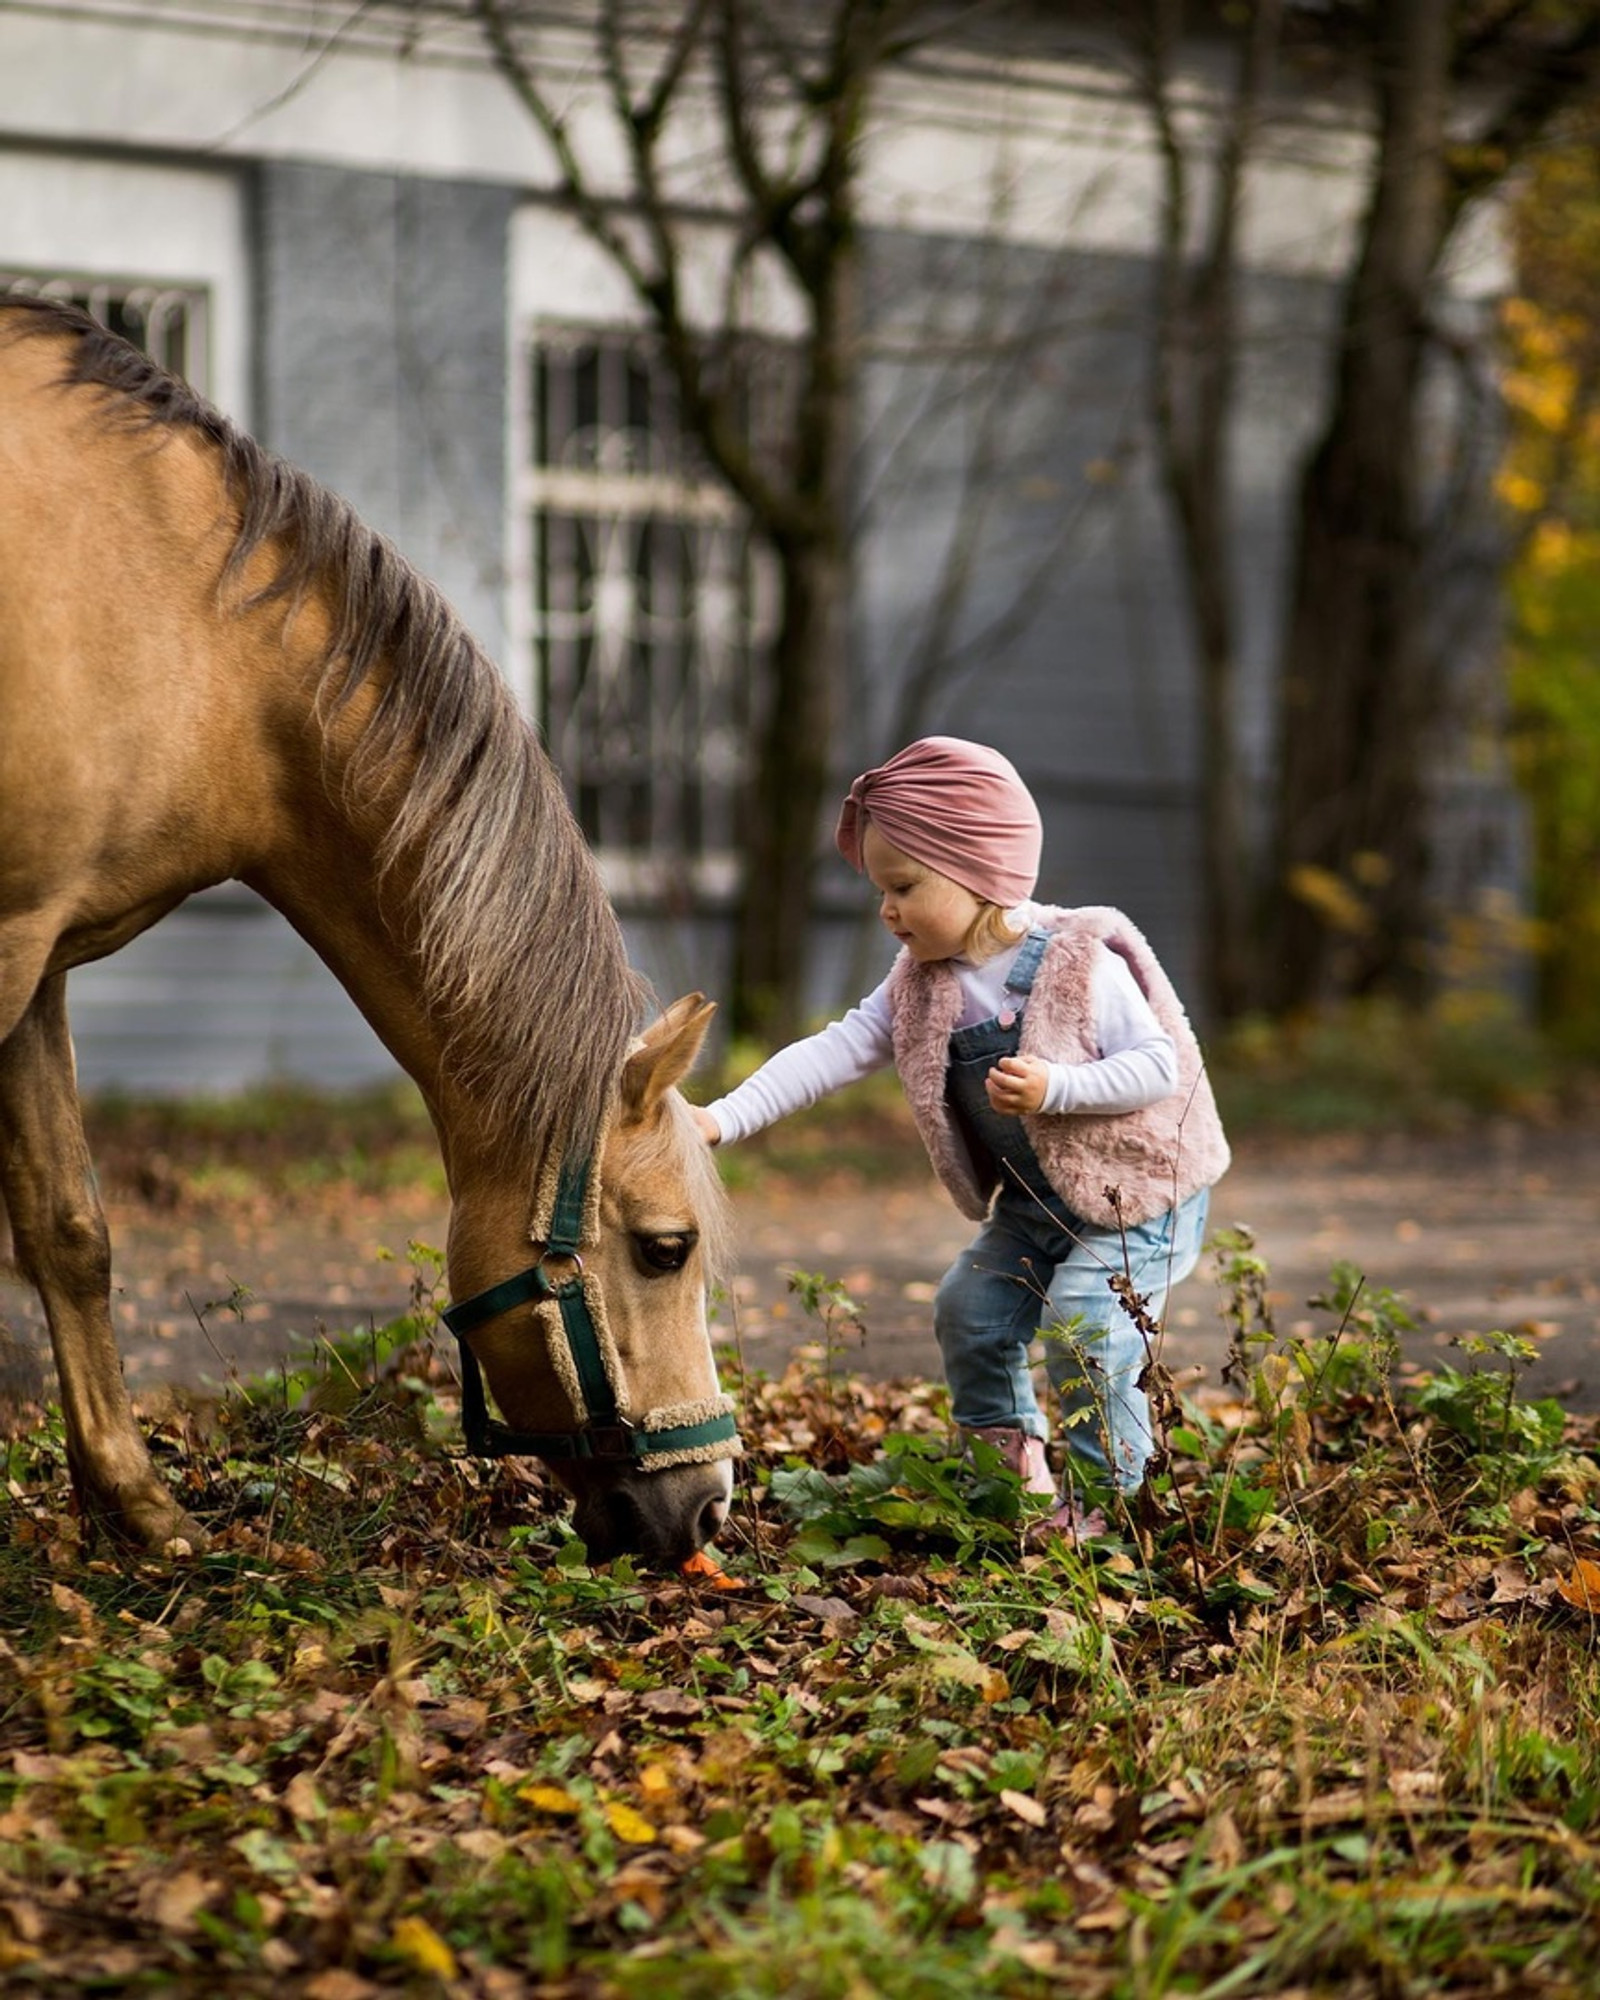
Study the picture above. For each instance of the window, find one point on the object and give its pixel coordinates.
(651, 602)
(167, 321)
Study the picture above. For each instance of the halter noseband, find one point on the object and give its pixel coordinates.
(605, 1433)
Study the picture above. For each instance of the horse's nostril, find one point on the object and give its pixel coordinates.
(712, 1516)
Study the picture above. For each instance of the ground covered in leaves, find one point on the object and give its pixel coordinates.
(1321, 1715)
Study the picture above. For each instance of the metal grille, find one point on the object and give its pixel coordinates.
(652, 601)
(168, 321)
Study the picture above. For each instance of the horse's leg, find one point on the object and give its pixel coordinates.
(62, 1248)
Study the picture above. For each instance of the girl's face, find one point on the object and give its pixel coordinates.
(926, 911)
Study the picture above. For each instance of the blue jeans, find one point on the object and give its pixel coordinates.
(1033, 1271)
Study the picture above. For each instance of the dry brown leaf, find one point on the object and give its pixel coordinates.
(831, 1610)
(303, 1799)
(1112, 1916)
(672, 1703)
(25, 1919)
(76, 1606)
(1582, 1588)
(1026, 1809)
(337, 1984)
(174, 1901)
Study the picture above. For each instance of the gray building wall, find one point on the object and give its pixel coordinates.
(1071, 650)
(381, 367)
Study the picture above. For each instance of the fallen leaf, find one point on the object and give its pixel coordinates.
(76, 1606)
(550, 1799)
(672, 1702)
(303, 1800)
(174, 1901)
(703, 1567)
(628, 1824)
(658, 1784)
(417, 1940)
(482, 1843)
(1582, 1588)
(337, 1984)
(25, 1919)
(1112, 1916)
(1026, 1809)
(828, 1609)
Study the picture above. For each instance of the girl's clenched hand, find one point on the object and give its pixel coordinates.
(1017, 1084)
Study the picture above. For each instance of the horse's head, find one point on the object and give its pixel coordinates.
(657, 1482)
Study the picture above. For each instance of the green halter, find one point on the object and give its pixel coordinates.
(605, 1433)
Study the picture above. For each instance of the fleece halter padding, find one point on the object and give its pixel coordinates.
(586, 1360)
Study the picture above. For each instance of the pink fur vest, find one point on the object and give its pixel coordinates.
(1128, 1167)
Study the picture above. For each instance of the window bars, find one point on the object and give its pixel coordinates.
(168, 321)
(651, 602)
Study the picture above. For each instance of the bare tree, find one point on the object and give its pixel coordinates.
(784, 94)
(1462, 91)
(1194, 370)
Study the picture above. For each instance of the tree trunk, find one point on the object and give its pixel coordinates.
(1351, 854)
(787, 798)
(1194, 375)
(793, 763)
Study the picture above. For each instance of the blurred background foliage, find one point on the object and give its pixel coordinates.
(1550, 483)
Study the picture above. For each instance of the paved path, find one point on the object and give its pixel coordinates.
(1499, 1232)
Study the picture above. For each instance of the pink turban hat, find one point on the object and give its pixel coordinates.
(958, 808)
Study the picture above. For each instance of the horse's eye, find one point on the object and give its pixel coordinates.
(660, 1254)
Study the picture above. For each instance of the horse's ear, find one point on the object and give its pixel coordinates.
(665, 1054)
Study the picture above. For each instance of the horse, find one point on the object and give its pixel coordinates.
(212, 669)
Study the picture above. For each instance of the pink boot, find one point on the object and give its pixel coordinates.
(1072, 1522)
(1024, 1454)
(1020, 1453)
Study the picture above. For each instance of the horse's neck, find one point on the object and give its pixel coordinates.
(357, 916)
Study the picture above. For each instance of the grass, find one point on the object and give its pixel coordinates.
(281, 1143)
(1377, 1067)
(1323, 1716)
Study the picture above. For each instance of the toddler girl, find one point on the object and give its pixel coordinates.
(1057, 1086)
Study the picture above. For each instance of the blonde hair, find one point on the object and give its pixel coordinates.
(990, 932)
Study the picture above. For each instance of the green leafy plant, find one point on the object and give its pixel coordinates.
(1512, 1442)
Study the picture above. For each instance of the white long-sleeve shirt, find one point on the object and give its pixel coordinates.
(1137, 1063)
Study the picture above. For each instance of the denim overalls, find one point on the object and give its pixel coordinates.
(1037, 1268)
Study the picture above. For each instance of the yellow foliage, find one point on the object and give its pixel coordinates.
(1518, 491)
(1551, 549)
(417, 1940)
(1333, 899)
(628, 1824)
(1546, 398)
(550, 1799)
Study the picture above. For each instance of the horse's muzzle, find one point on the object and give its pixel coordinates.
(662, 1517)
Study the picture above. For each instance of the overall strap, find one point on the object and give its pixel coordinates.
(1022, 974)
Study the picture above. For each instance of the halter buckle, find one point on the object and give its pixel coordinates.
(610, 1439)
(574, 1275)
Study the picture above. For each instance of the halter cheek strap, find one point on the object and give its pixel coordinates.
(605, 1434)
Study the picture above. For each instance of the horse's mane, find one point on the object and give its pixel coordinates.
(522, 953)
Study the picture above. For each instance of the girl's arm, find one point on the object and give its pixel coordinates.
(844, 1052)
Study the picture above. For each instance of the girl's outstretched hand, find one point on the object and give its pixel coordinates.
(706, 1125)
(1017, 1084)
